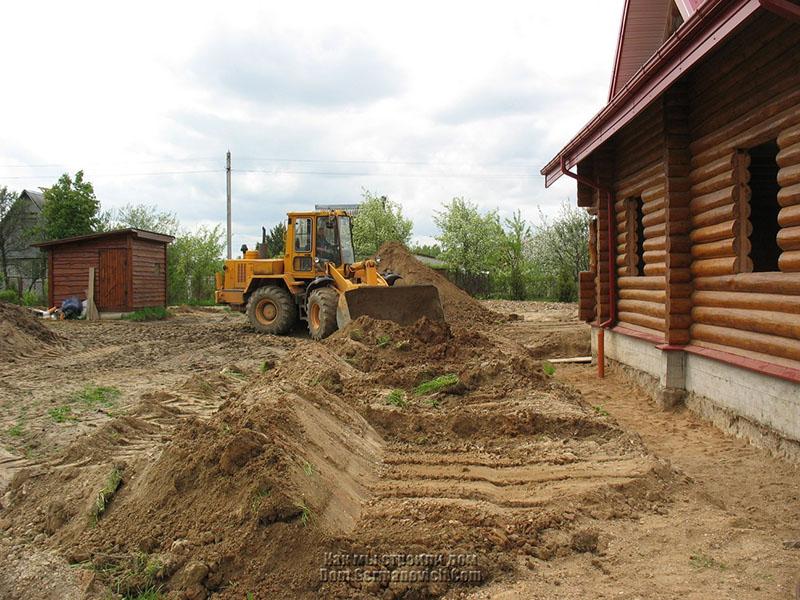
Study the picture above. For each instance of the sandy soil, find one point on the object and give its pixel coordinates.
(244, 459)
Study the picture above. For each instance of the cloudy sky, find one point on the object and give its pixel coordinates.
(419, 101)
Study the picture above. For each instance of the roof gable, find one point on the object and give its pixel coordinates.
(646, 24)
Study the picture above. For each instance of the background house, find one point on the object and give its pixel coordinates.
(25, 263)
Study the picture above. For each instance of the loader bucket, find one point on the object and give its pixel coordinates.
(404, 305)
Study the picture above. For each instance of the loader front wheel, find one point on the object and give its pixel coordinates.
(322, 312)
(271, 309)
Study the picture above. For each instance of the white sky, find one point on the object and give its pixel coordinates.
(437, 99)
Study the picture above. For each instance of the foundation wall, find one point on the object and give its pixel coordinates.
(762, 408)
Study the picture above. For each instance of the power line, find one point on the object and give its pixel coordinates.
(388, 175)
(147, 174)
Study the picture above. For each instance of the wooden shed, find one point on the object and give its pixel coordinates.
(130, 269)
(692, 174)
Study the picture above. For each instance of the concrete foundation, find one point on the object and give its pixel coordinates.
(762, 408)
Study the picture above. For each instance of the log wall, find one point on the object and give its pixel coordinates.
(639, 173)
(745, 94)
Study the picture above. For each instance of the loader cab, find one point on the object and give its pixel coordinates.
(312, 239)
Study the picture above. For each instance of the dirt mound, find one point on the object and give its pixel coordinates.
(419, 443)
(22, 333)
(459, 307)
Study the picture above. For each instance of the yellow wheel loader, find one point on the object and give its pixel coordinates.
(318, 280)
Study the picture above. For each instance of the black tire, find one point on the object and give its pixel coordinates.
(322, 312)
(271, 309)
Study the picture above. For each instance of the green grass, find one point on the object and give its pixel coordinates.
(701, 561)
(308, 468)
(306, 515)
(152, 593)
(267, 365)
(356, 335)
(396, 398)
(383, 341)
(259, 495)
(16, 430)
(105, 495)
(93, 395)
(548, 369)
(436, 384)
(60, 414)
(600, 410)
(151, 313)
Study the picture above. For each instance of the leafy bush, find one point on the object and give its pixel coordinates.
(9, 296)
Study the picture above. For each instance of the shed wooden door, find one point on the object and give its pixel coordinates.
(112, 293)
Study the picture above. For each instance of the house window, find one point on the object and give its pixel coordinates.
(764, 207)
(635, 235)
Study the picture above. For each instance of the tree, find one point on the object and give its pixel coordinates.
(193, 258)
(70, 208)
(516, 241)
(11, 221)
(379, 220)
(276, 240)
(560, 247)
(468, 239)
(147, 217)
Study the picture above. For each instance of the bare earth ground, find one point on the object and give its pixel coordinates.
(222, 435)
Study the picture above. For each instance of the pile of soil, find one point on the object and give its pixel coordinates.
(348, 448)
(22, 334)
(459, 307)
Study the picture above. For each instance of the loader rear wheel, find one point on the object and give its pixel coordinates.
(271, 309)
(322, 312)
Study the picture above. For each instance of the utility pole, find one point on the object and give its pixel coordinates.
(228, 176)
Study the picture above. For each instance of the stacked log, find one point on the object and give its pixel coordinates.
(746, 94)
(789, 199)
(640, 174)
(603, 165)
(677, 159)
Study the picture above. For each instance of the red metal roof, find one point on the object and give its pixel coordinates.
(139, 233)
(711, 23)
(644, 23)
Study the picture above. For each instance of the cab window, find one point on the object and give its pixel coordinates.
(302, 235)
(327, 245)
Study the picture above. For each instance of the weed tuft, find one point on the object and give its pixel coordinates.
(600, 410)
(700, 561)
(60, 414)
(308, 468)
(383, 341)
(105, 495)
(93, 395)
(306, 515)
(396, 398)
(436, 384)
(16, 430)
(548, 369)
(356, 335)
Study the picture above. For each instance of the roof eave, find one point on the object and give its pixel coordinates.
(709, 26)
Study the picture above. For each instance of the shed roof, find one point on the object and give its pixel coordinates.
(711, 23)
(139, 233)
